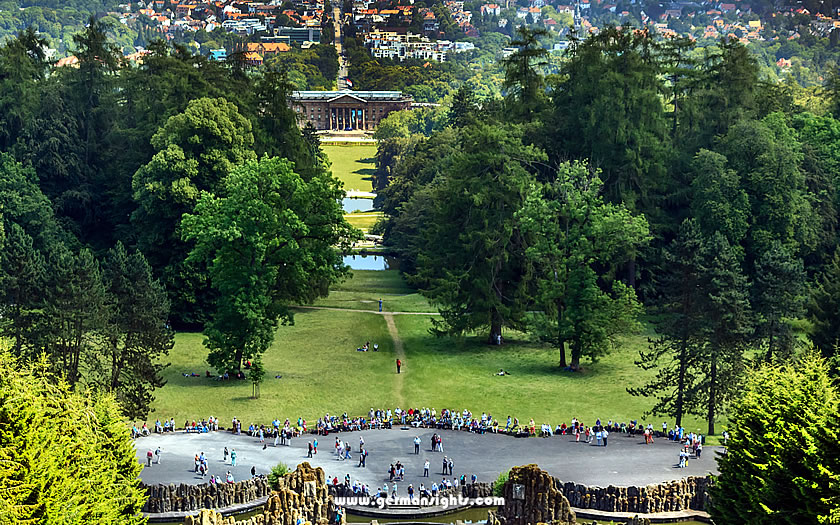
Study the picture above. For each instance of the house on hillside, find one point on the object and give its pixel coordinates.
(491, 9)
(267, 50)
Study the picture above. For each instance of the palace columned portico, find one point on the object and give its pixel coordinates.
(348, 118)
(347, 110)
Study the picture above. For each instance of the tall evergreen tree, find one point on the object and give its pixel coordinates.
(724, 93)
(74, 312)
(22, 279)
(91, 97)
(823, 305)
(778, 296)
(676, 351)
(524, 82)
(472, 253)
(23, 66)
(607, 107)
(135, 337)
(726, 328)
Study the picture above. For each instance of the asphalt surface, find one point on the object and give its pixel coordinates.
(625, 461)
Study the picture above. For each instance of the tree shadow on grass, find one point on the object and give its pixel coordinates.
(238, 399)
(513, 356)
(366, 173)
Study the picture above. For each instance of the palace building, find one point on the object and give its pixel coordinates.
(347, 110)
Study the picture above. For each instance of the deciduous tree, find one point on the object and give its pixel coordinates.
(575, 240)
(196, 150)
(273, 241)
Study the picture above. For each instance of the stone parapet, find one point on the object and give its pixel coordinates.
(685, 494)
(184, 497)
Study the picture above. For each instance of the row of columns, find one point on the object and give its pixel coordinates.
(343, 118)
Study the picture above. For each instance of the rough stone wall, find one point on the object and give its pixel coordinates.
(477, 490)
(183, 497)
(690, 493)
(543, 500)
(301, 494)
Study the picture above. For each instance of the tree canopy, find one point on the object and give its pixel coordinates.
(272, 240)
(65, 456)
(780, 465)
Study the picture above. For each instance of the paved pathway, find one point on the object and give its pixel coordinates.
(626, 461)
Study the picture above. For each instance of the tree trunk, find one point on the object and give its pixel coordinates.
(495, 328)
(769, 357)
(681, 382)
(562, 348)
(576, 355)
(712, 396)
(631, 272)
(562, 341)
(238, 360)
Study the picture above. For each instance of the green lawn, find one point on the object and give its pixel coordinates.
(364, 289)
(322, 372)
(363, 221)
(317, 359)
(353, 165)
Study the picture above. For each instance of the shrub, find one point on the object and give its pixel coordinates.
(499, 484)
(277, 472)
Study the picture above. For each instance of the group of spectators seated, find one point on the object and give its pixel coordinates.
(447, 419)
(203, 426)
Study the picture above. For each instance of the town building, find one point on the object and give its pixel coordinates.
(346, 110)
(298, 35)
(398, 45)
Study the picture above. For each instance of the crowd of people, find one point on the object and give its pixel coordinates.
(446, 419)
(282, 433)
(391, 488)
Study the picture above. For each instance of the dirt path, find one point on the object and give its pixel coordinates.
(399, 351)
(386, 314)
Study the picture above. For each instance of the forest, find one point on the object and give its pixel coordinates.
(637, 185)
(111, 178)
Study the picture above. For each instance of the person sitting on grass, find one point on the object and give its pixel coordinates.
(502, 372)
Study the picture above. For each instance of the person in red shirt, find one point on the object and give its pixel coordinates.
(399, 364)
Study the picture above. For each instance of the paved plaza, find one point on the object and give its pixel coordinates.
(626, 461)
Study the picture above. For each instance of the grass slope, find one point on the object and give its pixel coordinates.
(363, 221)
(322, 372)
(364, 289)
(353, 165)
(317, 359)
